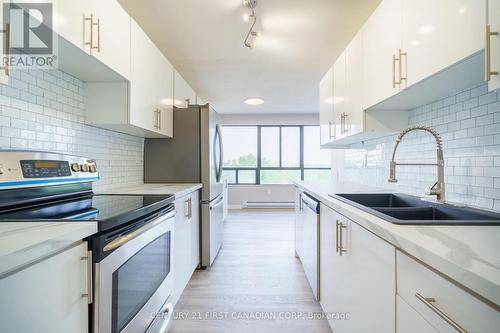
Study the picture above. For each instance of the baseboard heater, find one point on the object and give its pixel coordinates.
(269, 204)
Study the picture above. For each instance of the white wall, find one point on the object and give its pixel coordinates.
(238, 194)
(44, 110)
(469, 123)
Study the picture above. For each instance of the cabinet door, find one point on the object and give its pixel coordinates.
(70, 23)
(410, 321)
(183, 93)
(182, 248)
(437, 34)
(329, 261)
(494, 23)
(112, 35)
(381, 42)
(327, 127)
(340, 95)
(354, 121)
(4, 77)
(150, 81)
(195, 231)
(47, 296)
(165, 81)
(299, 223)
(359, 283)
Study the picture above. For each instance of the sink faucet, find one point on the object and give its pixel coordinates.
(438, 188)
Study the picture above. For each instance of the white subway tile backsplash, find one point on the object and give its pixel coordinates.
(44, 110)
(469, 123)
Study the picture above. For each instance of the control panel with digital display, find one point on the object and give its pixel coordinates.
(45, 168)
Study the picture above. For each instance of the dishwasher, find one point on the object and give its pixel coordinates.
(309, 209)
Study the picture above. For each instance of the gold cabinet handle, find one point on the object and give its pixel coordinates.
(344, 125)
(90, 290)
(91, 29)
(487, 63)
(90, 43)
(187, 209)
(334, 135)
(159, 119)
(338, 236)
(394, 71)
(400, 64)
(98, 24)
(430, 303)
(190, 208)
(337, 243)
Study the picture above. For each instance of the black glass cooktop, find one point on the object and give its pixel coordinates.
(108, 210)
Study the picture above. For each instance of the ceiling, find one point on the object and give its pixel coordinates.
(300, 40)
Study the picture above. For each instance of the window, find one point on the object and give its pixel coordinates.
(274, 154)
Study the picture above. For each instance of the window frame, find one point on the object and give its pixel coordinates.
(259, 167)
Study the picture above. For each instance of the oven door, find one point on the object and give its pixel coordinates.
(133, 283)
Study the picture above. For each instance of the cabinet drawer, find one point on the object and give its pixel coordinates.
(445, 306)
(410, 321)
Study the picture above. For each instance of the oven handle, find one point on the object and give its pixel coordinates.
(117, 242)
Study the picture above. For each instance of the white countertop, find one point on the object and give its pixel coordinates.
(22, 243)
(178, 190)
(469, 255)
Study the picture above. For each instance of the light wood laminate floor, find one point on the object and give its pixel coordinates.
(255, 275)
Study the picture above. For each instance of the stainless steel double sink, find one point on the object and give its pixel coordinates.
(410, 210)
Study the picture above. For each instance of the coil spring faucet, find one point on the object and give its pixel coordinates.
(438, 189)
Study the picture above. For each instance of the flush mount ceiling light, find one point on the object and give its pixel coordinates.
(252, 34)
(334, 100)
(254, 101)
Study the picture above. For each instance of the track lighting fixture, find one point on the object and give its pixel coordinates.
(252, 34)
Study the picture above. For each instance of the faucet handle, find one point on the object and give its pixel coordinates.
(434, 190)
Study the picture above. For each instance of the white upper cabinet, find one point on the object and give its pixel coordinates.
(99, 27)
(326, 113)
(183, 93)
(353, 122)
(143, 106)
(70, 23)
(381, 43)
(151, 84)
(111, 35)
(339, 94)
(348, 89)
(4, 72)
(493, 48)
(437, 34)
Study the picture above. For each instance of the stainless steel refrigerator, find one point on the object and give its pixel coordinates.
(193, 155)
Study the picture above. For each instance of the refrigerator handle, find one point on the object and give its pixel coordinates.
(221, 159)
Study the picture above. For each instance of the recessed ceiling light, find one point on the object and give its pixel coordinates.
(254, 101)
(171, 102)
(334, 99)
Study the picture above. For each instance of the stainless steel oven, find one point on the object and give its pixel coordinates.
(133, 276)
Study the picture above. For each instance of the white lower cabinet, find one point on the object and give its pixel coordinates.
(47, 296)
(299, 224)
(186, 241)
(441, 303)
(357, 276)
(410, 321)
